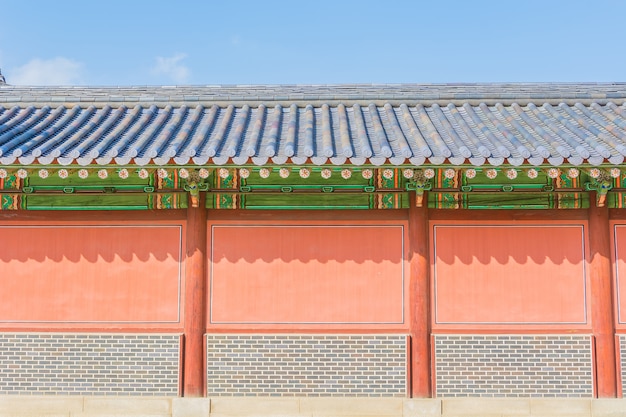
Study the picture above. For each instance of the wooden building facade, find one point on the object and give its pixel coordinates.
(375, 241)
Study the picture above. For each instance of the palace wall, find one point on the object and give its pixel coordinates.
(299, 304)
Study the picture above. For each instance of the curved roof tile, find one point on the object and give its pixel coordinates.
(386, 124)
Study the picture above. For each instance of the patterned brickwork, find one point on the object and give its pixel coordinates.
(622, 358)
(513, 366)
(306, 365)
(83, 364)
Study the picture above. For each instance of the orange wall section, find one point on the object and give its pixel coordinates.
(498, 275)
(87, 275)
(303, 274)
(618, 250)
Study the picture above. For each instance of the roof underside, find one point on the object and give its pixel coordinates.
(512, 124)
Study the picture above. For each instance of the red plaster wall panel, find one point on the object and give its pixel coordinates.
(283, 274)
(502, 274)
(90, 274)
(619, 253)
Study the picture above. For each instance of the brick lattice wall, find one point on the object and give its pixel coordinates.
(308, 365)
(622, 359)
(513, 366)
(120, 364)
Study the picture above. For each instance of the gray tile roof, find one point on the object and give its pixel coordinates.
(510, 124)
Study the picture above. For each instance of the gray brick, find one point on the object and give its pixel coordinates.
(520, 365)
(312, 365)
(622, 350)
(67, 364)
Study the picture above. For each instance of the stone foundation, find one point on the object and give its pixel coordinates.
(79, 406)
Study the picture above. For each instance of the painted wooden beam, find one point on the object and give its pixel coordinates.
(419, 300)
(195, 301)
(603, 326)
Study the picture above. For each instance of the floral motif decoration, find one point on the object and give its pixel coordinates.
(419, 182)
(194, 184)
(284, 172)
(143, 173)
(491, 173)
(304, 172)
(203, 173)
(602, 183)
(595, 173)
(223, 173)
(264, 173)
(3, 173)
(601, 179)
(244, 173)
(615, 172)
(511, 173)
(573, 173)
(553, 173)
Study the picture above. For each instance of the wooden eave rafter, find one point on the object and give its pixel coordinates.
(312, 182)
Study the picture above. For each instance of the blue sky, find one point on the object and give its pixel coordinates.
(141, 42)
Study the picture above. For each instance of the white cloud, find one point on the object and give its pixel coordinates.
(54, 71)
(172, 68)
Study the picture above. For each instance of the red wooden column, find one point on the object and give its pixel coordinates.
(602, 299)
(195, 301)
(419, 299)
